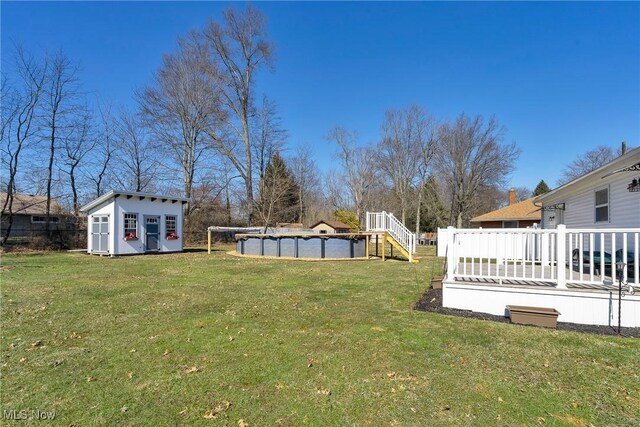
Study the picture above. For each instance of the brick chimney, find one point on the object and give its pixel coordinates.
(512, 196)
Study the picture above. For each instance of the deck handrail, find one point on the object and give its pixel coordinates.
(562, 255)
(387, 222)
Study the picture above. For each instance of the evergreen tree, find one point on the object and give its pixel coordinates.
(541, 188)
(433, 213)
(278, 199)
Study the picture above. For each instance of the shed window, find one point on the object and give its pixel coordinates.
(510, 224)
(130, 224)
(602, 205)
(170, 224)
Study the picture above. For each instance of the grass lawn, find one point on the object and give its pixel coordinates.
(197, 339)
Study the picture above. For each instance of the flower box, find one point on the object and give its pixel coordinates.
(131, 236)
(539, 316)
(172, 236)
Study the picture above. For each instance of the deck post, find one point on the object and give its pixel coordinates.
(366, 246)
(209, 241)
(561, 242)
(384, 245)
(451, 261)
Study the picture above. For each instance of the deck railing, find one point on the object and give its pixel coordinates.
(550, 256)
(387, 222)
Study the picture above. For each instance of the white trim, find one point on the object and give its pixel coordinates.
(129, 194)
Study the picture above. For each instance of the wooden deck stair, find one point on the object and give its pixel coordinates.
(386, 237)
(391, 229)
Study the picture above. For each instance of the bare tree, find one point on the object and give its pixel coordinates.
(471, 155)
(307, 177)
(405, 152)
(523, 193)
(358, 164)
(104, 151)
(587, 162)
(19, 118)
(183, 104)
(135, 153)
(336, 193)
(270, 137)
(60, 108)
(241, 48)
(75, 147)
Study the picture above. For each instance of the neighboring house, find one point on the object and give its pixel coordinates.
(330, 227)
(29, 214)
(604, 198)
(289, 225)
(517, 215)
(127, 223)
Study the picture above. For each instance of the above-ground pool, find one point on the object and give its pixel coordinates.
(329, 246)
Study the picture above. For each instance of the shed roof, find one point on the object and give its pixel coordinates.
(116, 193)
(524, 210)
(29, 204)
(332, 223)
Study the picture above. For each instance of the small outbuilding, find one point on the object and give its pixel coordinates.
(128, 223)
(330, 227)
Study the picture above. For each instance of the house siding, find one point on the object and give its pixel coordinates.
(23, 227)
(144, 208)
(624, 207)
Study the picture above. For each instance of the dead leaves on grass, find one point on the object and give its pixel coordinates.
(191, 370)
(324, 391)
(220, 409)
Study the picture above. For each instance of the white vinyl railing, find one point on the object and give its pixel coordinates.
(557, 256)
(386, 222)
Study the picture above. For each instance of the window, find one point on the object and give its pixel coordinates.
(602, 205)
(509, 224)
(37, 219)
(169, 224)
(131, 225)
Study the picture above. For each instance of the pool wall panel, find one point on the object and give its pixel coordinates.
(302, 246)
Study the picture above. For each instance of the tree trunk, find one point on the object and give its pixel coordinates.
(74, 191)
(52, 149)
(228, 206)
(249, 176)
(420, 191)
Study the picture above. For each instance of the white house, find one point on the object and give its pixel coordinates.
(584, 261)
(604, 198)
(127, 223)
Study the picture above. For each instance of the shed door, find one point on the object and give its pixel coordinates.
(152, 232)
(100, 233)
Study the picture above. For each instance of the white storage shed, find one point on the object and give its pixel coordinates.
(128, 223)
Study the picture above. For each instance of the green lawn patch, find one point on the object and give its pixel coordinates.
(198, 339)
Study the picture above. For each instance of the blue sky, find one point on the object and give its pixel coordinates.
(561, 77)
